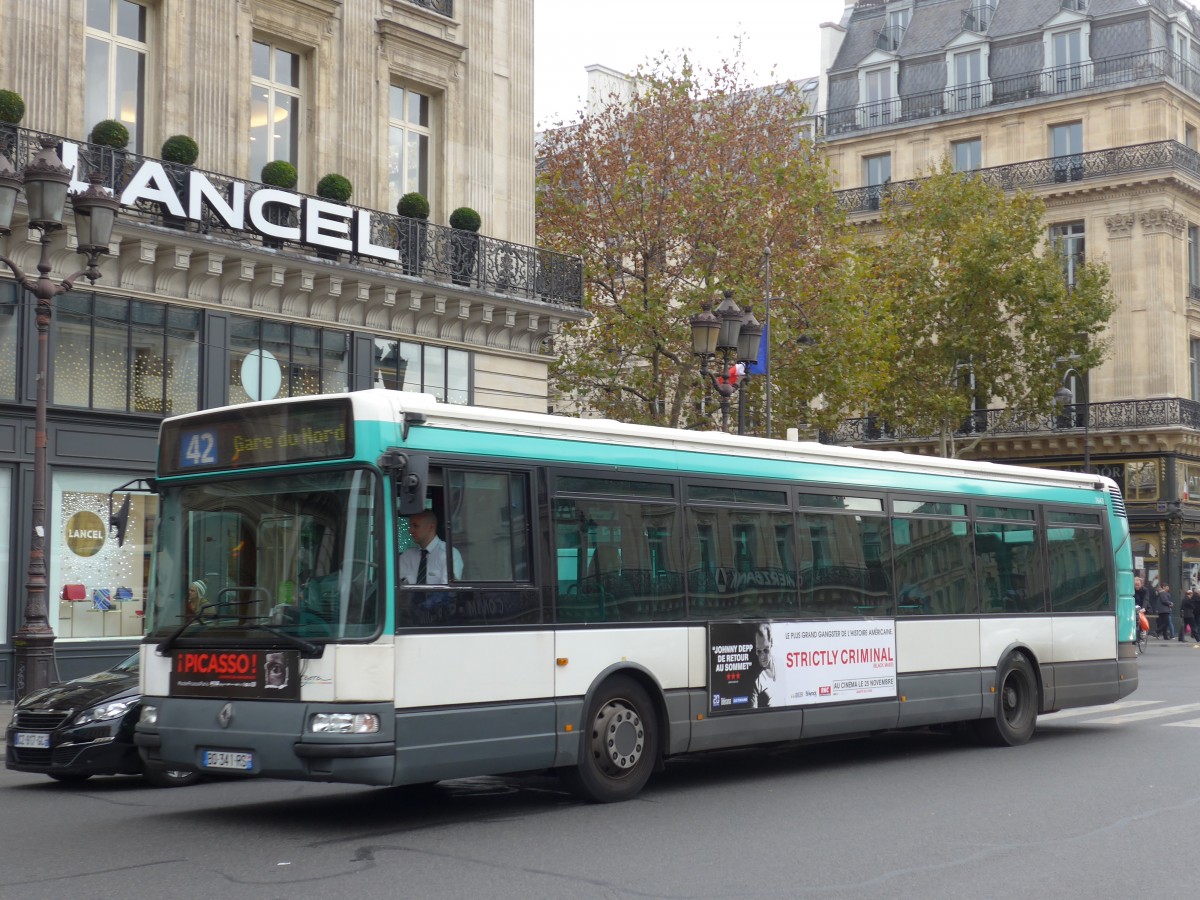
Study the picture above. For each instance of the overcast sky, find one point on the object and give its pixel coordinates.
(572, 34)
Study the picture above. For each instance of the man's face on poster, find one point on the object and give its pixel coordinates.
(276, 671)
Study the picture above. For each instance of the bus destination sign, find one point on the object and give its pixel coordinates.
(240, 439)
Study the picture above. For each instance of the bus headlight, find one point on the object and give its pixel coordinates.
(344, 723)
(149, 715)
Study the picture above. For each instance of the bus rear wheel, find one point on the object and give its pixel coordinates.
(620, 744)
(1015, 716)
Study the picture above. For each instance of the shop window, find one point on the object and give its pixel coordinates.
(9, 333)
(115, 66)
(269, 359)
(1141, 480)
(125, 355)
(409, 136)
(108, 582)
(275, 102)
(5, 544)
(442, 372)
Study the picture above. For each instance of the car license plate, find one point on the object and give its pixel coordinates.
(224, 759)
(31, 739)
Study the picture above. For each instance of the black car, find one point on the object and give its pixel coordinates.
(81, 728)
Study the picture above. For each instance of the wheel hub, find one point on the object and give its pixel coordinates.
(620, 737)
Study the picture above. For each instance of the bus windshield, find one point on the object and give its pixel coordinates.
(296, 554)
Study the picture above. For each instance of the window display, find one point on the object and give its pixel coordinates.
(97, 588)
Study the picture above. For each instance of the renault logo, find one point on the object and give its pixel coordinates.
(225, 716)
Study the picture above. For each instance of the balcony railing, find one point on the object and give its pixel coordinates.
(432, 252)
(1150, 65)
(441, 7)
(1135, 159)
(978, 18)
(1120, 415)
(889, 37)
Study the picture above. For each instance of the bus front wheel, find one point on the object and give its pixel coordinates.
(620, 743)
(1015, 715)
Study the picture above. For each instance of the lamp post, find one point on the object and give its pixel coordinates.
(735, 335)
(46, 182)
(1066, 395)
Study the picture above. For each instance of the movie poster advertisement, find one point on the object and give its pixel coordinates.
(764, 665)
(236, 674)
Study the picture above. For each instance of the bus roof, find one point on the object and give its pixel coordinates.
(391, 406)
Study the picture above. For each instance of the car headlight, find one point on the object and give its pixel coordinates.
(149, 715)
(114, 709)
(344, 723)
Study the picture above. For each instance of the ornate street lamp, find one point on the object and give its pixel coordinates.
(46, 182)
(734, 335)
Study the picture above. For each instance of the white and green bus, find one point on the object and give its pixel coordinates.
(618, 594)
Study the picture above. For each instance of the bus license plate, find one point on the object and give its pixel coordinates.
(32, 739)
(224, 759)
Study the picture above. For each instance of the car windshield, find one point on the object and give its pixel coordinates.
(293, 554)
(128, 666)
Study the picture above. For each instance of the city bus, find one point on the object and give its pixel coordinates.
(609, 595)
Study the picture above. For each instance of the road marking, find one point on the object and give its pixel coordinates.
(1092, 710)
(1190, 723)
(1146, 714)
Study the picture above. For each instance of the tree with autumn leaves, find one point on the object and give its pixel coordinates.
(670, 199)
(962, 302)
(954, 299)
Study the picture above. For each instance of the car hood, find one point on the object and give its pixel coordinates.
(84, 692)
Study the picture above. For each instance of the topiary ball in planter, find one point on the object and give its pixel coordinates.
(465, 219)
(181, 149)
(414, 205)
(335, 187)
(12, 107)
(110, 133)
(280, 173)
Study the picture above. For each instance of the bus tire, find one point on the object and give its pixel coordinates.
(620, 743)
(1015, 715)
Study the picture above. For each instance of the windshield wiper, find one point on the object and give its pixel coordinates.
(308, 648)
(170, 640)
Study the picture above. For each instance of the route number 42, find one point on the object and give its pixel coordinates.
(199, 449)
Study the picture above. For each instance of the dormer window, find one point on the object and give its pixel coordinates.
(892, 34)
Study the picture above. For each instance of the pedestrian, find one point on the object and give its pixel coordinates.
(1190, 610)
(1166, 629)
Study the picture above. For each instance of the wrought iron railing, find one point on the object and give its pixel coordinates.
(428, 251)
(442, 7)
(1130, 68)
(1119, 415)
(1134, 159)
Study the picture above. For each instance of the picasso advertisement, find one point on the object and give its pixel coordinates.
(763, 665)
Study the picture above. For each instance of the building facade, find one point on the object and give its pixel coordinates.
(1094, 106)
(219, 289)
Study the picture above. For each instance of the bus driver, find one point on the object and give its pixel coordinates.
(425, 563)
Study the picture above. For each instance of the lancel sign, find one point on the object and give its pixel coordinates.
(321, 223)
(85, 533)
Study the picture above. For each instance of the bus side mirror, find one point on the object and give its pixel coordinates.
(410, 486)
(119, 520)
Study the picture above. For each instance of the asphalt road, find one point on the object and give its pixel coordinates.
(1077, 813)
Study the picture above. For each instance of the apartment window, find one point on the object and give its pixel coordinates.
(1193, 256)
(1194, 366)
(9, 335)
(877, 170)
(408, 142)
(1068, 239)
(967, 156)
(1066, 146)
(1066, 60)
(405, 366)
(968, 80)
(1189, 136)
(115, 66)
(274, 106)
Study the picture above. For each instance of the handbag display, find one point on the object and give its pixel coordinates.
(73, 592)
